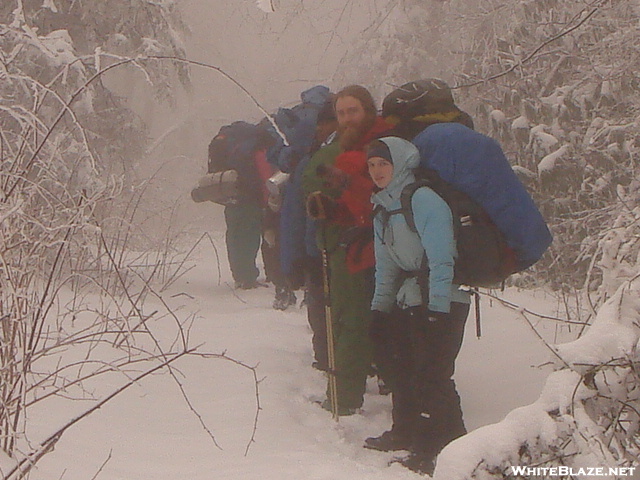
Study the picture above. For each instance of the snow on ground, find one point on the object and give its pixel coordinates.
(149, 433)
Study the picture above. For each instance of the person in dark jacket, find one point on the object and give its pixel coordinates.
(241, 146)
(417, 330)
(298, 124)
(310, 260)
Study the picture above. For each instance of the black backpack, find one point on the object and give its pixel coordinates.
(234, 146)
(484, 259)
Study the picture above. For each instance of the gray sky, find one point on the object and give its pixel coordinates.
(274, 56)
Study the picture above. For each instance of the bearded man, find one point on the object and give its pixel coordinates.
(338, 190)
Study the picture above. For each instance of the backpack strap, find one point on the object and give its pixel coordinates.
(405, 201)
(376, 210)
(385, 215)
(469, 213)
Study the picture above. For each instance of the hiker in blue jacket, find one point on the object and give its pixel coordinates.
(298, 124)
(417, 328)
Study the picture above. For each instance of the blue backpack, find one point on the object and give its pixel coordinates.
(475, 165)
(234, 148)
(298, 124)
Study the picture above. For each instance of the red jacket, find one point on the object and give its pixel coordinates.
(356, 197)
(265, 170)
(354, 204)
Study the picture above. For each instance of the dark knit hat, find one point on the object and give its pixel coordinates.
(418, 98)
(380, 149)
(327, 113)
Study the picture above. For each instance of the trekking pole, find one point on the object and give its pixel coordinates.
(331, 352)
(476, 295)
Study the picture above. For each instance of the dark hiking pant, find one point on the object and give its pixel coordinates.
(350, 296)
(243, 238)
(315, 309)
(417, 363)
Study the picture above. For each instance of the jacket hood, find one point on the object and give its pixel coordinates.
(405, 159)
(317, 95)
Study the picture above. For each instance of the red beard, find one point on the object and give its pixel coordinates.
(352, 137)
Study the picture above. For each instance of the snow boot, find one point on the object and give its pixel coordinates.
(323, 367)
(284, 298)
(250, 285)
(421, 463)
(389, 441)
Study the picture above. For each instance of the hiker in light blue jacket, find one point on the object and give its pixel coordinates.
(418, 313)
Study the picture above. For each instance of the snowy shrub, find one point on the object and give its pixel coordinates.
(63, 136)
(573, 108)
(587, 416)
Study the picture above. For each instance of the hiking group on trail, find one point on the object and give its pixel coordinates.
(387, 221)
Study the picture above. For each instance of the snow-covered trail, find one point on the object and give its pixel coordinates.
(149, 433)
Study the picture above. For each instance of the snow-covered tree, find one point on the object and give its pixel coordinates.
(556, 83)
(553, 81)
(406, 40)
(65, 140)
(587, 416)
(562, 97)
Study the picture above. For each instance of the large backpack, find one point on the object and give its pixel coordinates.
(414, 105)
(236, 147)
(298, 124)
(484, 259)
(475, 165)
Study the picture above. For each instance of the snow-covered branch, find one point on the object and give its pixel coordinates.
(587, 415)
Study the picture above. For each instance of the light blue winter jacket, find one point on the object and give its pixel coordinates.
(399, 250)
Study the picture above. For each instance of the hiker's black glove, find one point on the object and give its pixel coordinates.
(380, 327)
(436, 316)
(320, 206)
(425, 323)
(427, 318)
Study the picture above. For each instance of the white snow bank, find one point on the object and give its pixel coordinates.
(573, 401)
(149, 433)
